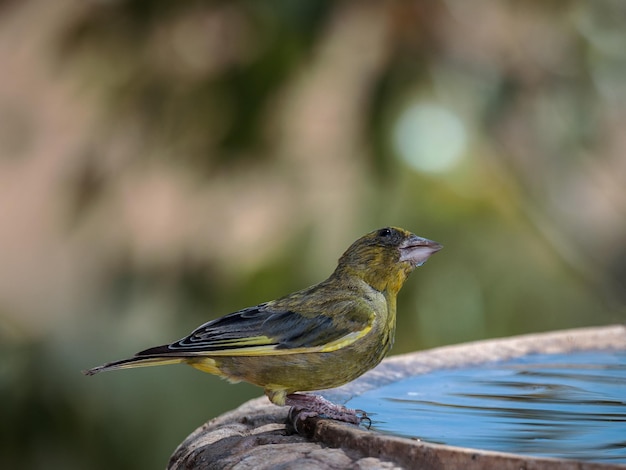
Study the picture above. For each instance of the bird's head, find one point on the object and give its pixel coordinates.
(385, 257)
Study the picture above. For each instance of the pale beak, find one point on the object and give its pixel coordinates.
(416, 250)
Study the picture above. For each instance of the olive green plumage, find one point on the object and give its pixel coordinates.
(320, 337)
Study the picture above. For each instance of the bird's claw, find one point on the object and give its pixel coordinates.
(298, 415)
(309, 406)
(363, 417)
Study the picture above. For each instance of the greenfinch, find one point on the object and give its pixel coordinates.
(317, 338)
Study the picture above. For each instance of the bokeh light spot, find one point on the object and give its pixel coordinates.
(429, 138)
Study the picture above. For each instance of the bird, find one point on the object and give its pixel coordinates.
(317, 338)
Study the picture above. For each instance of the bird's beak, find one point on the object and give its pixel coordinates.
(416, 250)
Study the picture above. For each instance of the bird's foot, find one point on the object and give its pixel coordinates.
(308, 406)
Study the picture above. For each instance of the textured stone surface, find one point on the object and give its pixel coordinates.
(257, 435)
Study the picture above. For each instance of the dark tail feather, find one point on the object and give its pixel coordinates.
(137, 361)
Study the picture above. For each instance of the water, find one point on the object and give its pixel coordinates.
(553, 405)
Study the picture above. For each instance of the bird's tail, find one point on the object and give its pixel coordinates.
(137, 361)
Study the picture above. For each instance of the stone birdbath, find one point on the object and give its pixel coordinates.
(259, 435)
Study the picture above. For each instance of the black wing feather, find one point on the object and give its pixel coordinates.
(284, 329)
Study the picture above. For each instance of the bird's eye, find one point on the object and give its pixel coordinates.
(384, 232)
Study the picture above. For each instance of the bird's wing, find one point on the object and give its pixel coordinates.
(263, 330)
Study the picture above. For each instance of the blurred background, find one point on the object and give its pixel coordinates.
(163, 163)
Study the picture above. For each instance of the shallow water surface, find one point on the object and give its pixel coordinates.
(552, 405)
